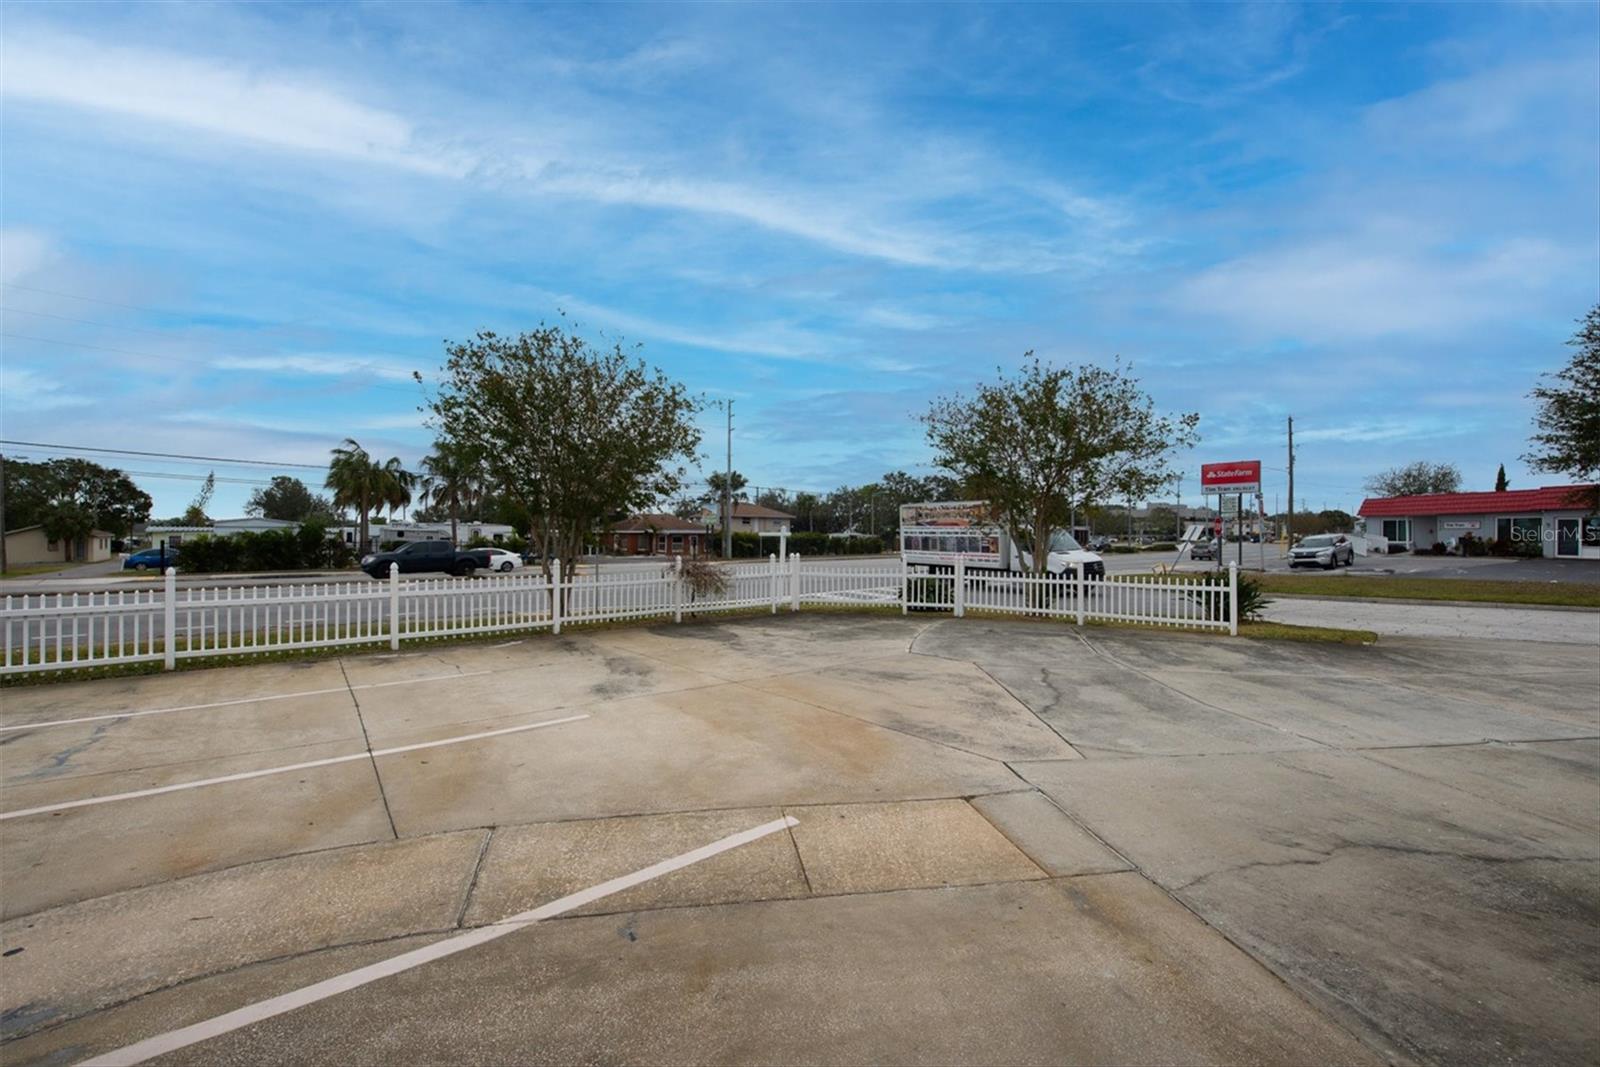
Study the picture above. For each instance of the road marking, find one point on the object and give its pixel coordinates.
(243, 775)
(244, 700)
(227, 1022)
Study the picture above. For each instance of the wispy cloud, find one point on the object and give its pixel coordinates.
(32, 390)
(325, 364)
(270, 108)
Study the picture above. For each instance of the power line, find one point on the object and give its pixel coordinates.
(89, 299)
(70, 449)
(82, 322)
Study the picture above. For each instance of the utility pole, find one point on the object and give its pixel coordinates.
(1289, 518)
(3, 563)
(727, 493)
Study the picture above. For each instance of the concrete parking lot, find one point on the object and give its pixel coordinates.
(812, 838)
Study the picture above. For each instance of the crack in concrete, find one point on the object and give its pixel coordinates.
(373, 760)
(1323, 856)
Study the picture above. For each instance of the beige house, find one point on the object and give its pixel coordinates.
(29, 546)
(750, 518)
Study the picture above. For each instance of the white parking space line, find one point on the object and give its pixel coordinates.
(244, 775)
(242, 700)
(173, 1040)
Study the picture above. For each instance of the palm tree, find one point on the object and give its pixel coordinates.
(360, 481)
(352, 477)
(394, 485)
(452, 475)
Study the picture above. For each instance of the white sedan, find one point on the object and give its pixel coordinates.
(502, 560)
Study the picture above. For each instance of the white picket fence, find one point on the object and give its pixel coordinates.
(65, 631)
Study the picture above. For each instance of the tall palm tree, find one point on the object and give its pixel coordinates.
(359, 481)
(452, 475)
(350, 476)
(394, 485)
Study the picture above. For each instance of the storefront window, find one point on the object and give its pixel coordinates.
(1397, 530)
(1518, 529)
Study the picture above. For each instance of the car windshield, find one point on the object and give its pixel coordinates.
(1061, 541)
(1317, 542)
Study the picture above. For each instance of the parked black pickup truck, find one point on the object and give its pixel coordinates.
(421, 557)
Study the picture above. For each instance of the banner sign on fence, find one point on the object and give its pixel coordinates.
(1241, 476)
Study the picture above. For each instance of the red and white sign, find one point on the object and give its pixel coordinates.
(1243, 476)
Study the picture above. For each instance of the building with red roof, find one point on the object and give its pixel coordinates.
(1561, 519)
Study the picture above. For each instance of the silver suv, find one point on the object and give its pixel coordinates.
(1323, 550)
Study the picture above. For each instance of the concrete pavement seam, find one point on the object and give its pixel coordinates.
(472, 883)
(1362, 1037)
(1029, 707)
(373, 760)
(799, 857)
(1189, 696)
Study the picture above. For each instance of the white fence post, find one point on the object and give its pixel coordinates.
(960, 594)
(1079, 590)
(555, 596)
(394, 606)
(905, 588)
(772, 572)
(1233, 597)
(169, 647)
(794, 582)
(677, 588)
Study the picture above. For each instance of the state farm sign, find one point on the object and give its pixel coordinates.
(1243, 476)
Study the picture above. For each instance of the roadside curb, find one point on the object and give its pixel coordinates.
(1428, 603)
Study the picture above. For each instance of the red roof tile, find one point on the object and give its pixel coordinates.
(1550, 498)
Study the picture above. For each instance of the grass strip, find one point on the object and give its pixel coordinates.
(1473, 590)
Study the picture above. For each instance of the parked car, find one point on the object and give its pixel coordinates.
(423, 557)
(1205, 549)
(150, 559)
(501, 559)
(1323, 550)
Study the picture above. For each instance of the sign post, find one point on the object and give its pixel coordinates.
(1229, 482)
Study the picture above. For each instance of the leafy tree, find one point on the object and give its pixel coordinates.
(1333, 520)
(1416, 479)
(66, 521)
(573, 433)
(1501, 483)
(112, 500)
(289, 499)
(805, 507)
(359, 481)
(1162, 521)
(1050, 439)
(1567, 440)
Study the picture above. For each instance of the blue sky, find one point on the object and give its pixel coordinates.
(235, 230)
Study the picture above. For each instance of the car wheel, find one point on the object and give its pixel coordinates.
(1333, 561)
(505, 567)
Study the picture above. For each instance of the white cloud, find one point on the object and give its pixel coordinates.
(322, 365)
(775, 339)
(1376, 284)
(26, 389)
(269, 108)
(896, 318)
(870, 206)
(24, 252)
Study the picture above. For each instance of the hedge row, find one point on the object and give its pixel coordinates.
(307, 548)
(754, 546)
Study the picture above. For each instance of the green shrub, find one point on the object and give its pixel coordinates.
(308, 548)
(1161, 546)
